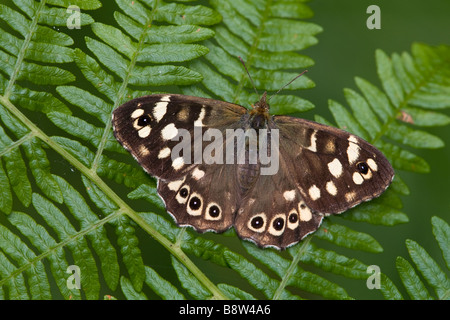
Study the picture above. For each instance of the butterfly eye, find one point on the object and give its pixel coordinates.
(362, 167)
(144, 120)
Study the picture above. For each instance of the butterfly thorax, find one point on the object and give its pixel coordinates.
(259, 115)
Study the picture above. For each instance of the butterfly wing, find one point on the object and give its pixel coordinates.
(273, 213)
(322, 170)
(153, 127)
(333, 169)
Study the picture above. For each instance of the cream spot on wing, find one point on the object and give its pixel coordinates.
(198, 174)
(352, 150)
(164, 153)
(335, 168)
(350, 196)
(169, 132)
(314, 192)
(357, 178)
(289, 195)
(331, 188)
(313, 146)
(143, 151)
(372, 164)
(144, 132)
(175, 185)
(165, 98)
(160, 110)
(304, 211)
(137, 113)
(178, 163)
(199, 121)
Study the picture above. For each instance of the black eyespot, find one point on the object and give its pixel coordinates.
(195, 203)
(293, 218)
(257, 222)
(214, 211)
(302, 206)
(362, 167)
(144, 120)
(278, 224)
(184, 192)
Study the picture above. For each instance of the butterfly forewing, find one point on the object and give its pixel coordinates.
(151, 126)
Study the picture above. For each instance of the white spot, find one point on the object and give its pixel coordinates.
(331, 188)
(164, 153)
(289, 195)
(165, 98)
(352, 150)
(372, 164)
(169, 132)
(178, 163)
(160, 110)
(198, 174)
(335, 168)
(144, 132)
(305, 212)
(175, 185)
(357, 178)
(137, 113)
(292, 225)
(195, 212)
(260, 229)
(274, 231)
(143, 150)
(313, 146)
(350, 196)
(199, 121)
(314, 192)
(208, 215)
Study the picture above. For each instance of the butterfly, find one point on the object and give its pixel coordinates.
(313, 170)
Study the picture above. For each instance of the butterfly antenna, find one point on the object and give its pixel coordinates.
(287, 84)
(250, 77)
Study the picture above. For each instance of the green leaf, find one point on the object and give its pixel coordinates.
(162, 287)
(189, 282)
(441, 231)
(429, 269)
(415, 287)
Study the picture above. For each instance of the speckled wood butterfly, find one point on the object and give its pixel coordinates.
(186, 142)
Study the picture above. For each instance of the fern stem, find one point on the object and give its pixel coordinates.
(23, 50)
(291, 269)
(114, 197)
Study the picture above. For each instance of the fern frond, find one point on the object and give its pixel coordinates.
(428, 268)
